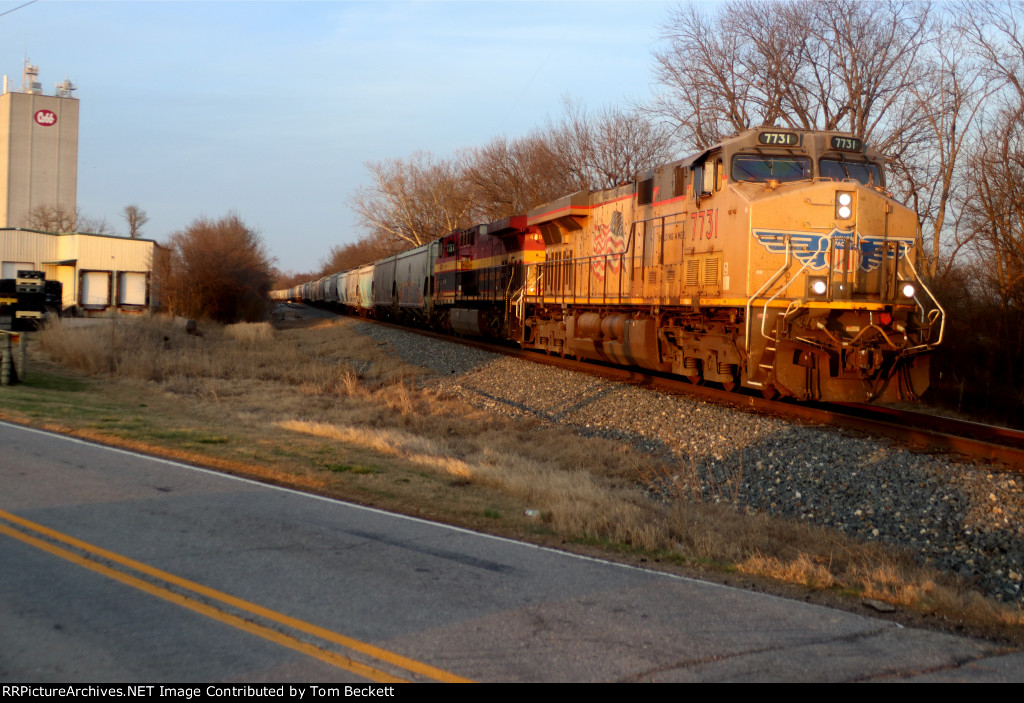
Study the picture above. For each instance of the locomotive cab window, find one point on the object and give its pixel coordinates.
(866, 172)
(645, 192)
(679, 185)
(752, 168)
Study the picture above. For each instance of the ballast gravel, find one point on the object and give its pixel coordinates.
(952, 516)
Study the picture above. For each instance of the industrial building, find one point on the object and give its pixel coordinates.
(38, 184)
(100, 273)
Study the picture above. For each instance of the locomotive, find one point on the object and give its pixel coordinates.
(775, 260)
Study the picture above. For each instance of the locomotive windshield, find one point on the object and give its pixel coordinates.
(865, 172)
(760, 167)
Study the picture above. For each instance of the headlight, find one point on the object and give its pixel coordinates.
(844, 205)
(907, 290)
(817, 286)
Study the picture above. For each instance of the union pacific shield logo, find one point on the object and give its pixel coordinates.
(809, 248)
(812, 249)
(872, 248)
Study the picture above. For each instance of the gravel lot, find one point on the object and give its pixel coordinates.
(952, 516)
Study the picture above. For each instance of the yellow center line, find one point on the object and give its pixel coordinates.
(383, 655)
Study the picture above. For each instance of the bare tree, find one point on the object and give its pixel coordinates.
(830, 64)
(931, 135)
(579, 151)
(286, 279)
(215, 269)
(136, 218)
(365, 250)
(507, 177)
(52, 218)
(869, 58)
(610, 148)
(705, 89)
(55, 218)
(995, 33)
(413, 201)
(995, 211)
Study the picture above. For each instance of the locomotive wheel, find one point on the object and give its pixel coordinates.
(730, 386)
(695, 380)
(769, 392)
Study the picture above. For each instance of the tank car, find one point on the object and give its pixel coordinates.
(775, 260)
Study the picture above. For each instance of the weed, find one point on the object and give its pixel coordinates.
(718, 483)
(213, 440)
(249, 332)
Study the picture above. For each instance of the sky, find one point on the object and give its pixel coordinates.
(270, 109)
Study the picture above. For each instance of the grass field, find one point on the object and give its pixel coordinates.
(316, 406)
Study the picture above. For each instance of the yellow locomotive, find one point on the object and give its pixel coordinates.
(775, 260)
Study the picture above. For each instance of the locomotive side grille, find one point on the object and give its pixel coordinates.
(711, 271)
(693, 272)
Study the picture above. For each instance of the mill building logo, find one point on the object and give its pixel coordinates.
(46, 118)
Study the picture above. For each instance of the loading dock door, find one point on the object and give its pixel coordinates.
(95, 290)
(11, 268)
(132, 290)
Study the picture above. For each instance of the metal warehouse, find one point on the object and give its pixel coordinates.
(100, 273)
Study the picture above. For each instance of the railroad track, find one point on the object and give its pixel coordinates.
(1001, 449)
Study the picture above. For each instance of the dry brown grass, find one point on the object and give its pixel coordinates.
(344, 395)
(251, 332)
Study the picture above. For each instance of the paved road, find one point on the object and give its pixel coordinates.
(117, 567)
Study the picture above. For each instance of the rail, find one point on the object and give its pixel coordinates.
(931, 432)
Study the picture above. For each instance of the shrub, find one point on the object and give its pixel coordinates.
(218, 270)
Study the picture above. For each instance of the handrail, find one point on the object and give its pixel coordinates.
(519, 299)
(764, 316)
(942, 312)
(765, 287)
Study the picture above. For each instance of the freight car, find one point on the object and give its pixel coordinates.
(776, 260)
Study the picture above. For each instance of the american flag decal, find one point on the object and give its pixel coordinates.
(608, 239)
